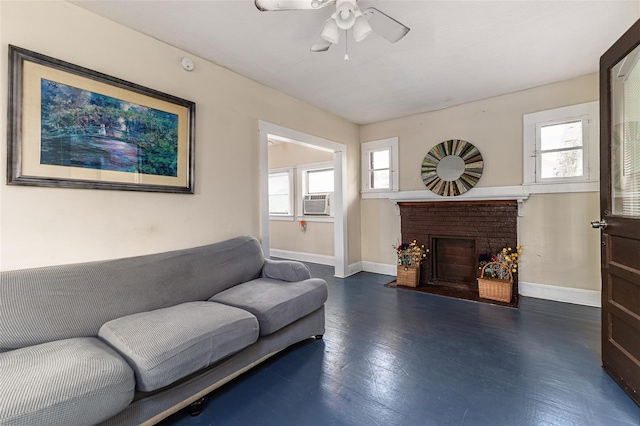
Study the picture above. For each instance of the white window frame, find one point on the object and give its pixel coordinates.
(306, 179)
(588, 114)
(367, 148)
(291, 216)
(302, 189)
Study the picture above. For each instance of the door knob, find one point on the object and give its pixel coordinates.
(598, 224)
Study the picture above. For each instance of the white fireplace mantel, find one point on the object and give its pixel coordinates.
(518, 193)
(494, 193)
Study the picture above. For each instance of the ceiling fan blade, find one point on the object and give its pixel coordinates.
(384, 25)
(320, 45)
(276, 5)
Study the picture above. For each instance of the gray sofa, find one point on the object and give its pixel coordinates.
(133, 340)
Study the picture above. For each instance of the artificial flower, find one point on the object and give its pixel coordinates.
(411, 254)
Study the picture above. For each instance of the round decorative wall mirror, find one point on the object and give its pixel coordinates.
(452, 167)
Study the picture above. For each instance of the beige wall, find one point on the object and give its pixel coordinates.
(290, 155)
(45, 226)
(380, 231)
(495, 126)
(560, 246)
(318, 238)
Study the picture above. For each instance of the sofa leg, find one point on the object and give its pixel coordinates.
(319, 336)
(197, 407)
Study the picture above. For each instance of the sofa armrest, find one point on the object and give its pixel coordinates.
(285, 270)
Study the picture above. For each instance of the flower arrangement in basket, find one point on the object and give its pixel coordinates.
(409, 258)
(496, 277)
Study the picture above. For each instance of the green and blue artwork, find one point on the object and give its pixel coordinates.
(91, 130)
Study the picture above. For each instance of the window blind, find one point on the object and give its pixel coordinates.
(631, 147)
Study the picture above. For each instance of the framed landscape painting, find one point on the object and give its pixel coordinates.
(72, 127)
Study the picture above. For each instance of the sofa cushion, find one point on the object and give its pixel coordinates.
(285, 270)
(275, 303)
(67, 382)
(167, 344)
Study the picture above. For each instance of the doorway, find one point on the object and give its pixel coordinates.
(273, 131)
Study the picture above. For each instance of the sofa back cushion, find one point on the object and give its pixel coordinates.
(58, 302)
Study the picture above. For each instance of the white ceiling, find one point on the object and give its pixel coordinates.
(456, 51)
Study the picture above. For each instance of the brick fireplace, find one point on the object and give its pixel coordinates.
(457, 233)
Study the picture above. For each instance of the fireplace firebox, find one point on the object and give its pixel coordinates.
(454, 261)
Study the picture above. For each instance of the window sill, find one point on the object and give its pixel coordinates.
(562, 187)
(281, 218)
(366, 193)
(317, 218)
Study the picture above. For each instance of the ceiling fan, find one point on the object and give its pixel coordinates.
(347, 16)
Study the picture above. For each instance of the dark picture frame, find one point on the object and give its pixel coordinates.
(72, 127)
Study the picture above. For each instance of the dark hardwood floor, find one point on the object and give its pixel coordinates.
(394, 357)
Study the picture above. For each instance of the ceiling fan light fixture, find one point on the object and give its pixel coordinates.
(331, 32)
(361, 28)
(345, 15)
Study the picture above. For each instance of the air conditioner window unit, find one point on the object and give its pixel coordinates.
(316, 204)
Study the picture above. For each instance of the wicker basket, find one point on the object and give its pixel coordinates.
(494, 288)
(408, 276)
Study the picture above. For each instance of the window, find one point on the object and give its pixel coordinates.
(625, 140)
(561, 152)
(379, 169)
(319, 181)
(281, 192)
(313, 179)
(561, 145)
(380, 165)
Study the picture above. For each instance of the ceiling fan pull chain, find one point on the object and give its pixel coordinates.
(346, 45)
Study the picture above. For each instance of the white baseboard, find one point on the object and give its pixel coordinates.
(354, 268)
(576, 296)
(303, 257)
(320, 259)
(380, 268)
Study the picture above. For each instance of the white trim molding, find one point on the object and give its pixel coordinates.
(288, 171)
(320, 259)
(301, 191)
(514, 192)
(354, 268)
(269, 131)
(588, 114)
(283, 218)
(555, 188)
(493, 193)
(380, 268)
(519, 193)
(577, 296)
(366, 148)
